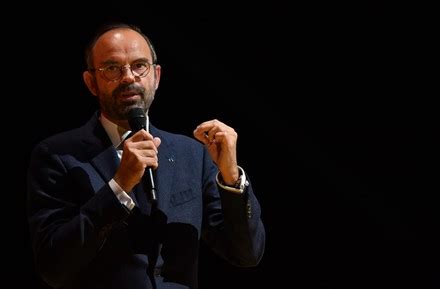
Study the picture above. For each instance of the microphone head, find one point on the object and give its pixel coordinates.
(136, 119)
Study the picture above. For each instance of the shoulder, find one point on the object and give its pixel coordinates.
(73, 138)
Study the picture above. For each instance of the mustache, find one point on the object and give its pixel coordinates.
(129, 87)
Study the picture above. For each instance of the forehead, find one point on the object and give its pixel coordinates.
(121, 43)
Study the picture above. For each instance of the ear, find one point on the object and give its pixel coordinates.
(90, 81)
(157, 70)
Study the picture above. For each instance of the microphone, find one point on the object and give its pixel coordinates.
(137, 121)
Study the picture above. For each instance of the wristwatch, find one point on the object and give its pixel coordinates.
(239, 185)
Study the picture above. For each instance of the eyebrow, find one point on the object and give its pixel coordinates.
(113, 62)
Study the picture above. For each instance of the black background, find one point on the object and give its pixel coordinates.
(337, 126)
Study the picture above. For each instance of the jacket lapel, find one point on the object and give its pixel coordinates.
(101, 151)
(166, 170)
(106, 163)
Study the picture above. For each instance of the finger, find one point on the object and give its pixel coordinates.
(149, 152)
(149, 162)
(206, 127)
(201, 135)
(219, 136)
(210, 136)
(152, 161)
(214, 134)
(157, 141)
(145, 144)
(140, 136)
(207, 132)
(225, 136)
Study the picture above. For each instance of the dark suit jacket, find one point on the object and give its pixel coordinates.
(83, 237)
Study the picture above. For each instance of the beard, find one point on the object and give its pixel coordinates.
(116, 107)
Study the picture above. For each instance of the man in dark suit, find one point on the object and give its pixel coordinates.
(94, 222)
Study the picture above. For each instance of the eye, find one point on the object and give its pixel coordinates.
(139, 66)
(112, 68)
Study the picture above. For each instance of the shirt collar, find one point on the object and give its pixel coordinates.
(117, 134)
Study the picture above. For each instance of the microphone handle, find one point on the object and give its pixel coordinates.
(150, 171)
(150, 179)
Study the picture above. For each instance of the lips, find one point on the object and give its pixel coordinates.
(128, 91)
(129, 94)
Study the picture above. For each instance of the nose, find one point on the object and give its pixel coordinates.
(127, 75)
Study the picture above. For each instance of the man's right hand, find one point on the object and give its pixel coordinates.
(139, 152)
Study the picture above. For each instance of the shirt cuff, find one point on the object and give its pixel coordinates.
(122, 196)
(239, 186)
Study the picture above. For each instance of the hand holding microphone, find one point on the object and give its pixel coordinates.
(140, 155)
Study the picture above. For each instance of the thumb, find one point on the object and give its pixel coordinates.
(157, 142)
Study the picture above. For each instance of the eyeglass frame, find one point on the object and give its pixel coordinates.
(121, 67)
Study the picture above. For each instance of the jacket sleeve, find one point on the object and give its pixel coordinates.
(232, 224)
(66, 232)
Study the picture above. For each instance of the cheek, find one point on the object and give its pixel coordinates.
(150, 83)
(104, 89)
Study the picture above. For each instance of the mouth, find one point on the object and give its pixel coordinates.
(129, 95)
